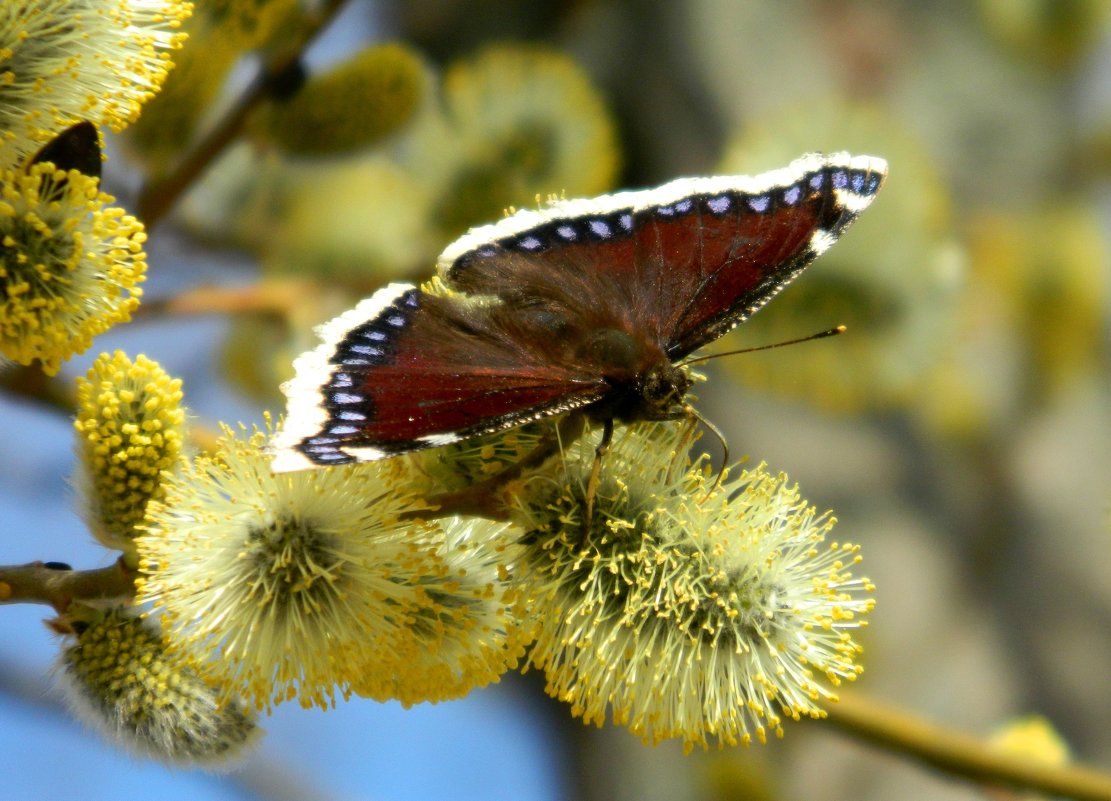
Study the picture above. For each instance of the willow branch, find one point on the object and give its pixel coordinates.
(156, 199)
(31, 383)
(273, 297)
(57, 586)
(960, 754)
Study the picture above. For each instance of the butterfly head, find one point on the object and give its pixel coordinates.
(659, 394)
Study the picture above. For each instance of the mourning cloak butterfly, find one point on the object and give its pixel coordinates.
(584, 304)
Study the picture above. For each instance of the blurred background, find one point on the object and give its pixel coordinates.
(959, 430)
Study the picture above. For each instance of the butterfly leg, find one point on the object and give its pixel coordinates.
(596, 472)
(713, 429)
(690, 434)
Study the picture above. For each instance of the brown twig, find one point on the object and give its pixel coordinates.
(156, 199)
(32, 383)
(273, 297)
(960, 754)
(58, 586)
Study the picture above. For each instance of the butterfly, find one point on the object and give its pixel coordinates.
(588, 304)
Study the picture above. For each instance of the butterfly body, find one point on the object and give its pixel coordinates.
(583, 305)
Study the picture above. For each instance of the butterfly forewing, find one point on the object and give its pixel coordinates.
(408, 370)
(682, 263)
(455, 372)
(747, 246)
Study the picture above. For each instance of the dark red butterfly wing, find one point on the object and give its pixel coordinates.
(683, 263)
(553, 310)
(754, 244)
(407, 370)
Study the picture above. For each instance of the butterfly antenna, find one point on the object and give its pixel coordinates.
(693, 412)
(832, 332)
